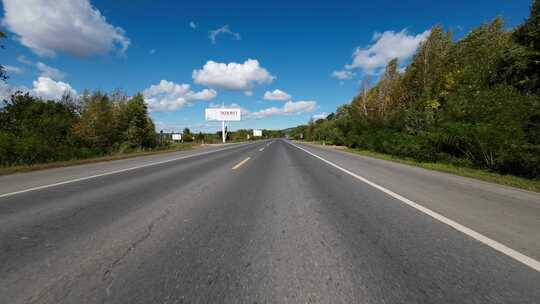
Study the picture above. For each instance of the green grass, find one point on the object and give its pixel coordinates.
(484, 175)
(118, 156)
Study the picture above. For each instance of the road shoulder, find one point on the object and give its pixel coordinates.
(477, 174)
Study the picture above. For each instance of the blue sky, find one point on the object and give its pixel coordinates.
(295, 46)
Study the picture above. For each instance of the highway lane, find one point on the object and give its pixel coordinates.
(24, 181)
(43, 231)
(506, 214)
(264, 222)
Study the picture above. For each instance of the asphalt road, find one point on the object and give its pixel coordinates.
(266, 222)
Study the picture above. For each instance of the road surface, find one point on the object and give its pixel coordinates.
(265, 222)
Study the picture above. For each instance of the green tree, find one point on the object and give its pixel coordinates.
(474, 61)
(140, 132)
(186, 135)
(425, 76)
(298, 132)
(528, 33)
(473, 102)
(200, 137)
(97, 127)
(425, 79)
(34, 131)
(389, 96)
(521, 63)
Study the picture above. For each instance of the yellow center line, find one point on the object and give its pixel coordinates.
(240, 163)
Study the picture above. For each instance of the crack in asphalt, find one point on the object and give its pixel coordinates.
(108, 276)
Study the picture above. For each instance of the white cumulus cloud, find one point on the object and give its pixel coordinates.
(169, 96)
(289, 108)
(74, 27)
(232, 76)
(276, 95)
(224, 30)
(48, 88)
(387, 46)
(296, 107)
(43, 87)
(49, 72)
(342, 74)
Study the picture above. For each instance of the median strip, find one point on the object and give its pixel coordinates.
(240, 163)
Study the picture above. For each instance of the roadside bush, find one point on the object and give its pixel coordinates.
(37, 131)
(7, 142)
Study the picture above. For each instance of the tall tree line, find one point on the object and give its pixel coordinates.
(33, 130)
(473, 102)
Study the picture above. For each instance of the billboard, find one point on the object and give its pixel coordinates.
(221, 114)
(176, 136)
(257, 133)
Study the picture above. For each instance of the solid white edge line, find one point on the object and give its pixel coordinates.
(116, 171)
(520, 257)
